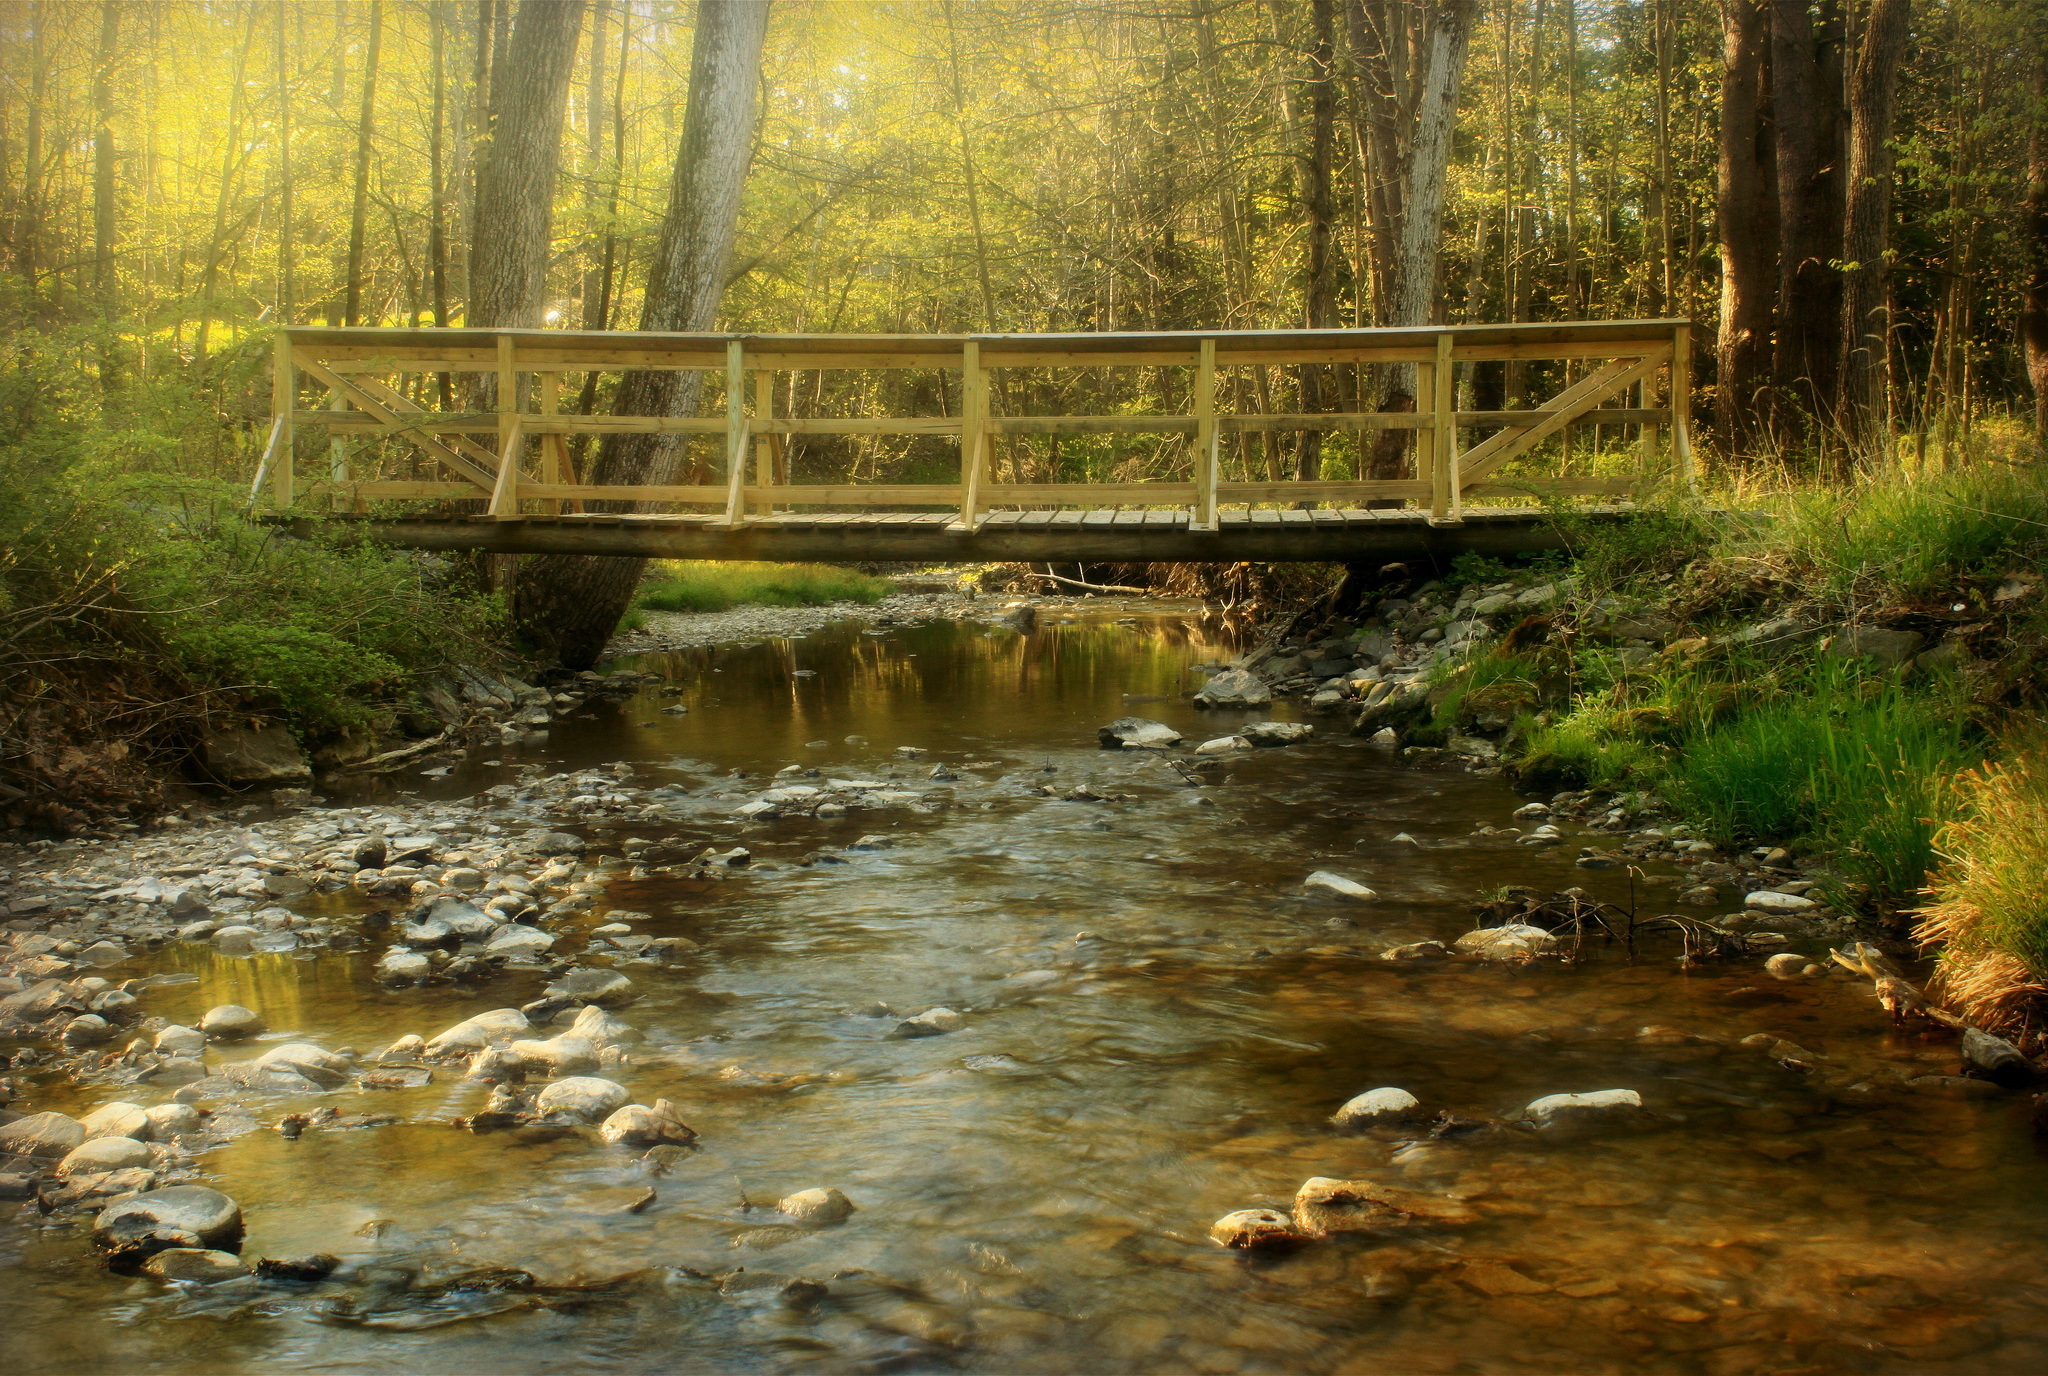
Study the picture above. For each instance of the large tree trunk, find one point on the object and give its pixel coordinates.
(103, 185)
(1866, 323)
(1806, 84)
(1412, 300)
(568, 605)
(2034, 238)
(1748, 212)
(515, 180)
(1319, 290)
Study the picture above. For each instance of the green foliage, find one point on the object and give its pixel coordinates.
(690, 586)
(1469, 568)
(1653, 544)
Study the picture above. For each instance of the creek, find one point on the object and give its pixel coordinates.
(1158, 1023)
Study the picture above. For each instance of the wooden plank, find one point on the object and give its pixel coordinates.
(764, 451)
(1328, 420)
(1321, 492)
(853, 494)
(703, 493)
(1495, 450)
(1681, 403)
(284, 391)
(735, 432)
(1087, 494)
(1444, 501)
(400, 404)
(1208, 440)
(973, 433)
(399, 491)
(1092, 425)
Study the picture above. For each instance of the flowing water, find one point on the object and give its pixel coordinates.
(1158, 1025)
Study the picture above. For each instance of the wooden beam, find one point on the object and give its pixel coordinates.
(1289, 492)
(764, 452)
(973, 434)
(392, 421)
(1444, 504)
(1495, 450)
(1208, 440)
(698, 494)
(735, 431)
(284, 391)
(505, 493)
(1681, 403)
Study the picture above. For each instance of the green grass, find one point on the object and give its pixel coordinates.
(1989, 909)
(690, 586)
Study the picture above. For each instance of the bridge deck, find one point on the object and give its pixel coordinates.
(1095, 536)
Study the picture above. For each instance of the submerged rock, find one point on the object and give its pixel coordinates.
(230, 1022)
(1324, 884)
(190, 1216)
(194, 1265)
(1377, 1107)
(1255, 1230)
(637, 1125)
(1512, 942)
(1417, 950)
(1234, 688)
(1137, 733)
(818, 1207)
(933, 1022)
(582, 1096)
(1600, 1107)
(41, 1134)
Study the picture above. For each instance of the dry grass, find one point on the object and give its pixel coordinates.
(1989, 916)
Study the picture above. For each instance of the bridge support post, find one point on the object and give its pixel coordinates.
(1207, 457)
(505, 490)
(1681, 404)
(284, 397)
(764, 444)
(735, 433)
(973, 435)
(1447, 501)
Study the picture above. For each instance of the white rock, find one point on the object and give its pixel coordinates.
(494, 1028)
(118, 1119)
(582, 1096)
(601, 1029)
(821, 1206)
(1513, 942)
(637, 1125)
(1386, 735)
(104, 1154)
(1601, 1106)
(229, 1021)
(322, 1067)
(1234, 688)
(1768, 901)
(404, 967)
(1267, 733)
(1137, 733)
(558, 1055)
(1377, 1106)
(1324, 884)
(932, 1022)
(1223, 745)
(177, 1040)
(514, 941)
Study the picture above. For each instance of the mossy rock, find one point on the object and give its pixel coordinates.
(1546, 771)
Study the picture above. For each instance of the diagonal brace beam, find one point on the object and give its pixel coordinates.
(393, 420)
(1567, 406)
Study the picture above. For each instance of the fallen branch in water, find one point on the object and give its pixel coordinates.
(1894, 991)
(396, 756)
(1092, 587)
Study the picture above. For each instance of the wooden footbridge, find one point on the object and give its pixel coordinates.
(506, 480)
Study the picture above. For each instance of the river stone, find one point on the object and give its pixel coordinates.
(87, 1029)
(1770, 901)
(101, 954)
(1600, 1107)
(403, 967)
(1137, 733)
(310, 1062)
(820, 1206)
(558, 1055)
(1995, 1057)
(236, 939)
(933, 1022)
(118, 1119)
(601, 1029)
(410, 1047)
(194, 1265)
(1323, 1206)
(1234, 688)
(1513, 942)
(426, 933)
(100, 1154)
(180, 1216)
(1886, 646)
(177, 1070)
(169, 1121)
(516, 942)
(496, 1027)
(1223, 745)
(1267, 733)
(555, 843)
(1416, 950)
(41, 1134)
(463, 918)
(1254, 1229)
(1376, 1107)
(1786, 966)
(582, 1096)
(637, 1125)
(230, 1021)
(1324, 884)
(605, 988)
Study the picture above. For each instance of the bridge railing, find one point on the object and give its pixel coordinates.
(376, 383)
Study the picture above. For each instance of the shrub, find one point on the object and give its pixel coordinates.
(1989, 912)
(690, 586)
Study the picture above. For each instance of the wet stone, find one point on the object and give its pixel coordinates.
(818, 1207)
(181, 1216)
(194, 1265)
(229, 1022)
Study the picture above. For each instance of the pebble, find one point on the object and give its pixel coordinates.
(230, 1022)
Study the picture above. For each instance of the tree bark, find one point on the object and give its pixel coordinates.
(1748, 214)
(1806, 110)
(2034, 238)
(568, 605)
(1319, 290)
(287, 267)
(1866, 326)
(103, 227)
(366, 125)
(29, 225)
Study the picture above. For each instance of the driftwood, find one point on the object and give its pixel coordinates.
(1898, 995)
(1092, 587)
(391, 757)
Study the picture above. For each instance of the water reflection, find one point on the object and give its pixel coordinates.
(1159, 1024)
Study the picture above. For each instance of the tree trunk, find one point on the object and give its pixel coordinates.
(2034, 239)
(287, 267)
(1806, 111)
(29, 226)
(1866, 328)
(366, 124)
(1319, 290)
(1414, 287)
(1748, 213)
(568, 605)
(103, 186)
(515, 180)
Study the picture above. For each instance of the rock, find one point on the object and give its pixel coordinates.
(370, 853)
(1386, 735)
(1493, 604)
(178, 1040)
(1323, 1206)
(495, 1028)
(1770, 901)
(933, 1022)
(230, 1022)
(582, 1096)
(404, 967)
(118, 1119)
(819, 1207)
(310, 1062)
(1234, 688)
(1512, 942)
(167, 1122)
(1701, 896)
(1255, 1230)
(637, 1125)
(410, 1047)
(1137, 733)
(1223, 745)
(1997, 1058)
(556, 843)
(41, 1134)
(1601, 1107)
(181, 1216)
(601, 1030)
(558, 1055)
(1271, 733)
(516, 942)
(245, 755)
(1888, 647)
(1416, 950)
(1473, 747)
(235, 939)
(1545, 835)
(462, 917)
(102, 954)
(1529, 811)
(87, 1029)
(194, 1265)
(1377, 1107)
(1324, 884)
(1786, 966)
(605, 988)
(315, 1266)
(100, 1154)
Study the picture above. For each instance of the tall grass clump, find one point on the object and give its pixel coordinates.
(1852, 764)
(707, 586)
(1989, 913)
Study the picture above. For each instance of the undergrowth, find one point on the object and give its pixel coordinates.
(1989, 909)
(691, 586)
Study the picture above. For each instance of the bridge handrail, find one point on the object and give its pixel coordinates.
(1622, 356)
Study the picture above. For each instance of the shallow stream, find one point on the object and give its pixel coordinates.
(1034, 1190)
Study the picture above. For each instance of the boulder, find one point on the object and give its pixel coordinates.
(1255, 1230)
(1994, 1057)
(516, 942)
(558, 1055)
(1513, 942)
(1234, 688)
(230, 1022)
(243, 755)
(118, 1119)
(87, 1029)
(194, 1265)
(604, 988)
(1137, 733)
(1376, 1108)
(41, 1134)
(1786, 966)
(1324, 884)
(410, 1047)
(462, 917)
(637, 1125)
(819, 1207)
(309, 1062)
(181, 1216)
(582, 1096)
(1271, 733)
(1223, 745)
(101, 1154)
(495, 1028)
(179, 1040)
(602, 1030)
(933, 1022)
(167, 1122)
(404, 967)
(1601, 1107)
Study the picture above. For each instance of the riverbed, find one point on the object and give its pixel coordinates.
(1157, 1021)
